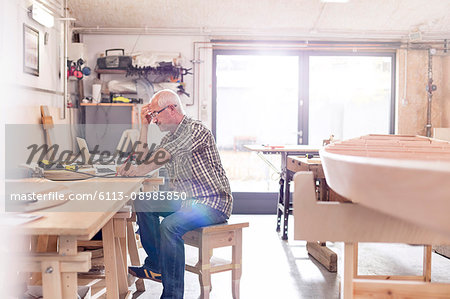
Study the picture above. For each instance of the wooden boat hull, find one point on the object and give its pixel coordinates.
(417, 191)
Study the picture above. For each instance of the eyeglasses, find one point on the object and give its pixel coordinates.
(155, 113)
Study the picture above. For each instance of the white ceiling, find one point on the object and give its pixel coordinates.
(391, 19)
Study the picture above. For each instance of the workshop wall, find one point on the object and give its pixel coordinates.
(21, 101)
(49, 66)
(97, 44)
(412, 101)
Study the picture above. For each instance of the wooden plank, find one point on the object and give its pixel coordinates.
(81, 218)
(68, 247)
(323, 255)
(395, 289)
(112, 286)
(70, 263)
(355, 259)
(236, 261)
(222, 227)
(38, 244)
(427, 249)
(120, 229)
(134, 254)
(295, 149)
(51, 280)
(47, 124)
(333, 221)
(120, 268)
(296, 164)
(347, 277)
(205, 274)
(391, 277)
(91, 243)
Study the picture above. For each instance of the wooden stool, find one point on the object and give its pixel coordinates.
(215, 236)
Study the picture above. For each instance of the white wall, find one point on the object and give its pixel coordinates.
(20, 103)
(15, 15)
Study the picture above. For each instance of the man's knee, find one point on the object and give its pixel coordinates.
(170, 228)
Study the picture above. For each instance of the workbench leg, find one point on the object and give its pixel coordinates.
(120, 234)
(109, 250)
(347, 277)
(51, 280)
(355, 260)
(121, 273)
(287, 199)
(134, 254)
(427, 263)
(68, 246)
(280, 202)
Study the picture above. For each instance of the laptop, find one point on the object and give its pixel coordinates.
(84, 149)
(86, 156)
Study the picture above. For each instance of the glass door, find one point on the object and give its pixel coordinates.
(350, 96)
(256, 102)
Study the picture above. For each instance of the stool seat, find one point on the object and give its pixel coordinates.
(215, 236)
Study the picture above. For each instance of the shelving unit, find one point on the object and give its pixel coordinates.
(117, 72)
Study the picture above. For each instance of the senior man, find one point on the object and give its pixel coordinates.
(189, 153)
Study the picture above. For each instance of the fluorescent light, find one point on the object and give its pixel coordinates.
(334, 1)
(41, 15)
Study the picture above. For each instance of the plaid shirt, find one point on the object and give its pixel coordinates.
(195, 166)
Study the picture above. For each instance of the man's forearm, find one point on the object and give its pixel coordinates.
(143, 146)
(158, 159)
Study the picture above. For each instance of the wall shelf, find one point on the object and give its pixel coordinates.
(107, 104)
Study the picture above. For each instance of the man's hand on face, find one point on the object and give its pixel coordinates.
(144, 112)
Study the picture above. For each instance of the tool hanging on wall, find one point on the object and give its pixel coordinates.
(165, 72)
(75, 69)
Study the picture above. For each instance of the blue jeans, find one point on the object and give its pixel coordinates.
(164, 244)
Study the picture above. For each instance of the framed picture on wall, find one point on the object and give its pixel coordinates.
(30, 50)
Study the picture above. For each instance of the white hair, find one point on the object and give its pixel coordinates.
(168, 97)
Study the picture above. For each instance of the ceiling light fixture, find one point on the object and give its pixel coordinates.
(41, 15)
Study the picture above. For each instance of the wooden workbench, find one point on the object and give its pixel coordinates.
(284, 206)
(77, 220)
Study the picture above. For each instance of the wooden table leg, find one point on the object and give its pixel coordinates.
(51, 280)
(427, 263)
(68, 246)
(109, 249)
(42, 243)
(347, 277)
(120, 234)
(134, 254)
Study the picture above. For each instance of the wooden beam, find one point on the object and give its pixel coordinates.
(323, 254)
(347, 278)
(70, 263)
(109, 249)
(395, 289)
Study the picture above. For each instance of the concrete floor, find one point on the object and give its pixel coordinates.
(273, 268)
